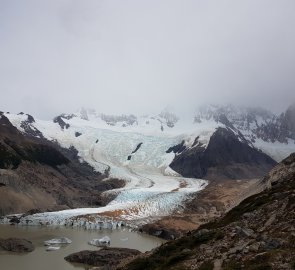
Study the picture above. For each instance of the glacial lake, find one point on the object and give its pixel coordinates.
(48, 260)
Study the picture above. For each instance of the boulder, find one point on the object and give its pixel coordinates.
(107, 257)
(16, 245)
(244, 232)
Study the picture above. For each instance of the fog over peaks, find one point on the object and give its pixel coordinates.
(123, 57)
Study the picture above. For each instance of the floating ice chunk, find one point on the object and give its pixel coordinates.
(105, 239)
(62, 240)
(124, 239)
(100, 242)
(52, 248)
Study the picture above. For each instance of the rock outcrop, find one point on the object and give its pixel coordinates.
(227, 156)
(109, 258)
(16, 245)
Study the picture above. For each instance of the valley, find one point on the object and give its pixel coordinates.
(138, 169)
(147, 135)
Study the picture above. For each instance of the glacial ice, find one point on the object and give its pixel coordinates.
(61, 240)
(152, 188)
(104, 241)
(52, 248)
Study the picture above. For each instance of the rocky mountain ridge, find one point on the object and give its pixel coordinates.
(39, 174)
(214, 146)
(272, 133)
(227, 156)
(254, 123)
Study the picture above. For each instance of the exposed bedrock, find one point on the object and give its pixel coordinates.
(226, 157)
(106, 257)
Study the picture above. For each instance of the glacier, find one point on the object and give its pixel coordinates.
(152, 188)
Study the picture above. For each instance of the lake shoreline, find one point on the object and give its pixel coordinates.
(40, 258)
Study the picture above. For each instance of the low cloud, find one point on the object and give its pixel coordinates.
(142, 56)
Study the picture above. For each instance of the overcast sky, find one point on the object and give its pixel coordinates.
(143, 55)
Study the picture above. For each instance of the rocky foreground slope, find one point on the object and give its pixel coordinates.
(259, 233)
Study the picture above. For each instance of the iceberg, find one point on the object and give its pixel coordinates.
(54, 241)
(124, 239)
(105, 241)
(51, 248)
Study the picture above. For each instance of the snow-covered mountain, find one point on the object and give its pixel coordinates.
(271, 133)
(122, 141)
(119, 150)
(150, 152)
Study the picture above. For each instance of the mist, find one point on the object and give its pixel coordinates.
(142, 56)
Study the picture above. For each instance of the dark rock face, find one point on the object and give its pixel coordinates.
(34, 152)
(6, 126)
(30, 118)
(106, 257)
(61, 122)
(177, 149)
(77, 134)
(16, 245)
(226, 156)
(134, 151)
(29, 129)
(8, 159)
(137, 147)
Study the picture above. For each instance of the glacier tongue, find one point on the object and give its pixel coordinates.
(152, 187)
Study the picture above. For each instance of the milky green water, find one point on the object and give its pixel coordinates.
(40, 259)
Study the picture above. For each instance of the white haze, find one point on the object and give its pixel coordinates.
(140, 56)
